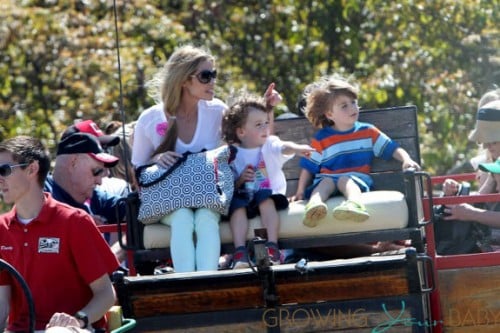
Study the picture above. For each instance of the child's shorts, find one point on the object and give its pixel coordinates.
(364, 181)
(240, 199)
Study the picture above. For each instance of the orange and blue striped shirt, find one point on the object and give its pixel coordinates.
(348, 151)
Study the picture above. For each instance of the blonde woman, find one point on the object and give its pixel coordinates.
(188, 117)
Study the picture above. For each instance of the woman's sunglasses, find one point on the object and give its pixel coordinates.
(6, 169)
(206, 76)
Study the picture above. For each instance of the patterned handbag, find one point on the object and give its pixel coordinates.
(196, 180)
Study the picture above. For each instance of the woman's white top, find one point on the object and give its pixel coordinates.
(151, 127)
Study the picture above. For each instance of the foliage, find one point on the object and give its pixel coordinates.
(59, 58)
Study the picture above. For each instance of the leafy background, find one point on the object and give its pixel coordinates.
(59, 58)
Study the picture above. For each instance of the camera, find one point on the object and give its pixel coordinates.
(464, 189)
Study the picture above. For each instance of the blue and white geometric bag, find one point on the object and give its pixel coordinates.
(196, 180)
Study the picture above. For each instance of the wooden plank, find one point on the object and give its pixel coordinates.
(298, 290)
(470, 298)
(344, 287)
(242, 289)
(396, 314)
(197, 301)
(346, 295)
(495, 328)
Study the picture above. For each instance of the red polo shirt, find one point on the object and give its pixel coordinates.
(59, 254)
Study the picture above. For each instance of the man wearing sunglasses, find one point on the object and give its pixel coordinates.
(112, 185)
(80, 166)
(56, 248)
(79, 174)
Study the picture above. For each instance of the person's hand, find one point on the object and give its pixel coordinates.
(61, 319)
(272, 96)
(407, 164)
(296, 197)
(247, 175)
(461, 212)
(167, 159)
(304, 150)
(450, 187)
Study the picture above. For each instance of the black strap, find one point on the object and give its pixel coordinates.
(172, 168)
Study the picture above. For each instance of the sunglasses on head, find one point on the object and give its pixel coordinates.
(206, 76)
(6, 169)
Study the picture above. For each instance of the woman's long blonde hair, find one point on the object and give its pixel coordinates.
(167, 85)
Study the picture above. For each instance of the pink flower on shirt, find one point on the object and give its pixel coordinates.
(265, 184)
(161, 128)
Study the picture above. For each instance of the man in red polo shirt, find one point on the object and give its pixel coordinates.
(57, 249)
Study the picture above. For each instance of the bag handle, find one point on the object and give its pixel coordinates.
(172, 168)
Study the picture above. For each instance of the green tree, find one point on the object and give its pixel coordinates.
(59, 59)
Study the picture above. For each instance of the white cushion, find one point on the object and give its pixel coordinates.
(387, 209)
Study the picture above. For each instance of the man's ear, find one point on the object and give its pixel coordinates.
(33, 168)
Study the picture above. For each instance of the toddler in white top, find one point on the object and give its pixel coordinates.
(260, 183)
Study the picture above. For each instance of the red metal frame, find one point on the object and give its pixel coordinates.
(454, 261)
(458, 177)
(123, 230)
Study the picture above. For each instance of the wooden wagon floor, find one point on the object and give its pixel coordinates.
(344, 294)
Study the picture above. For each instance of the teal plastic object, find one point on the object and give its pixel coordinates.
(127, 325)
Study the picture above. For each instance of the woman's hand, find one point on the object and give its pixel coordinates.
(167, 159)
(272, 96)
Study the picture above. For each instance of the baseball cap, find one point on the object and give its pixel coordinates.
(487, 127)
(90, 127)
(491, 167)
(83, 143)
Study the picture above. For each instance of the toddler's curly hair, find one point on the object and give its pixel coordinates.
(237, 115)
(321, 98)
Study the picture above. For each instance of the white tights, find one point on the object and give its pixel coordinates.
(194, 240)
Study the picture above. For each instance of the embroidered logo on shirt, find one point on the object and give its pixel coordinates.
(48, 245)
(6, 248)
